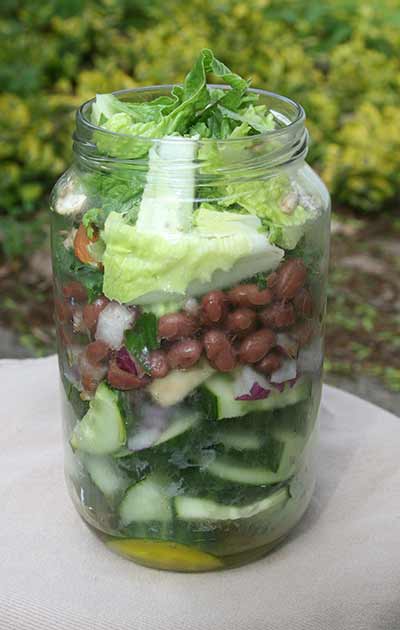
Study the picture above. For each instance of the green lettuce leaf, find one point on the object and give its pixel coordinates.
(270, 201)
(139, 268)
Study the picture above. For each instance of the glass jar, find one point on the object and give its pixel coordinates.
(190, 336)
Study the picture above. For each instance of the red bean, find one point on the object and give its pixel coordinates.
(184, 354)
(240, 321)
(249, 295)
(214, 307)
(63, 311)
(91, 373)
(97, 351)
(174, 326)
(215, 342)
(124, 380)
(219, 350)
(226, 360)
(278, 315)
(256, 345)
(271, 362)
(75, 290)
(302, 332)
(92, 311)
(272, 280)
(291, 277)
(158, 364)
(303, 303)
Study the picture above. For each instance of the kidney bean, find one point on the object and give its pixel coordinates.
(291, 277)
(124, 380)
(271, 362)
(63, 311)
(302, 332)
(249, 295)
(214, 307)
(215, 341)
(158, 364)
(226, 360)
(240, 321)
(92, 311)
(219, 350)
(303, 303)
(278, 315)
(75, 290)
(272, 279)
(91, 373)
(97, 351)
(174, 326)
(184, 354)
(256, 345)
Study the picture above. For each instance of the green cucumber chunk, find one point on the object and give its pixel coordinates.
(219, 397)
(195, 508)
(281, 461)
(101, 430)
(182, 421)
(146, 501)
(174, 387)
(106, 475)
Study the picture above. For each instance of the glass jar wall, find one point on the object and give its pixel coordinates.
(190, 281)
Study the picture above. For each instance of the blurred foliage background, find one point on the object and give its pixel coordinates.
(339, 58)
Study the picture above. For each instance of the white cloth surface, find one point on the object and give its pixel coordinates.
(339, 569)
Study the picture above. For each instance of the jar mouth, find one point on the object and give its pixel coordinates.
(287, 113)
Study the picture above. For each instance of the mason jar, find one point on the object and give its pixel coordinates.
(190, 336)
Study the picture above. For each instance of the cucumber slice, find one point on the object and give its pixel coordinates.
(240, 440)
(174, 387)
(194, 508)
(183, 420)
(101, 430)
(232, 469)
(106, 475)
(146, 501)
(219, 397)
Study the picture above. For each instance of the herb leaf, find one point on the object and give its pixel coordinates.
(142, 339)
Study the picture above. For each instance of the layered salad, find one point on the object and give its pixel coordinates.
(189, 296)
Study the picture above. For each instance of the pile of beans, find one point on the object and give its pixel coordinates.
(238, 326)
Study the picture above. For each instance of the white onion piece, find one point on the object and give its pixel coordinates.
(287, 344)
(71, 203)
(113, 320)
(191, 306)
(246, 379)
(154, 420)
(311, 357)
(286, 372)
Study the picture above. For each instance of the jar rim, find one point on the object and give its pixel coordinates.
(297, 121)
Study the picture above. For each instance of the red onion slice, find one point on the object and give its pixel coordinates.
(250, 385)
(125, 361)
(286, 372)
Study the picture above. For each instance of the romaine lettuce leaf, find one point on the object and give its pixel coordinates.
(266, 199)
(138, 265)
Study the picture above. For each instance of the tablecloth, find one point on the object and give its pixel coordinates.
(339, 569)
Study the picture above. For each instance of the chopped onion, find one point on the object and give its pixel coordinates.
(191, 306)
(113, 320)
(287, 344)
(153, 421)
(249, 385)
(286, 372)
(311, 356)
(125, 361)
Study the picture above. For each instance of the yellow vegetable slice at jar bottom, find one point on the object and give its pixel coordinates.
(165, 555)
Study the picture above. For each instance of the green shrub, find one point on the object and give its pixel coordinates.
(339, 58)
